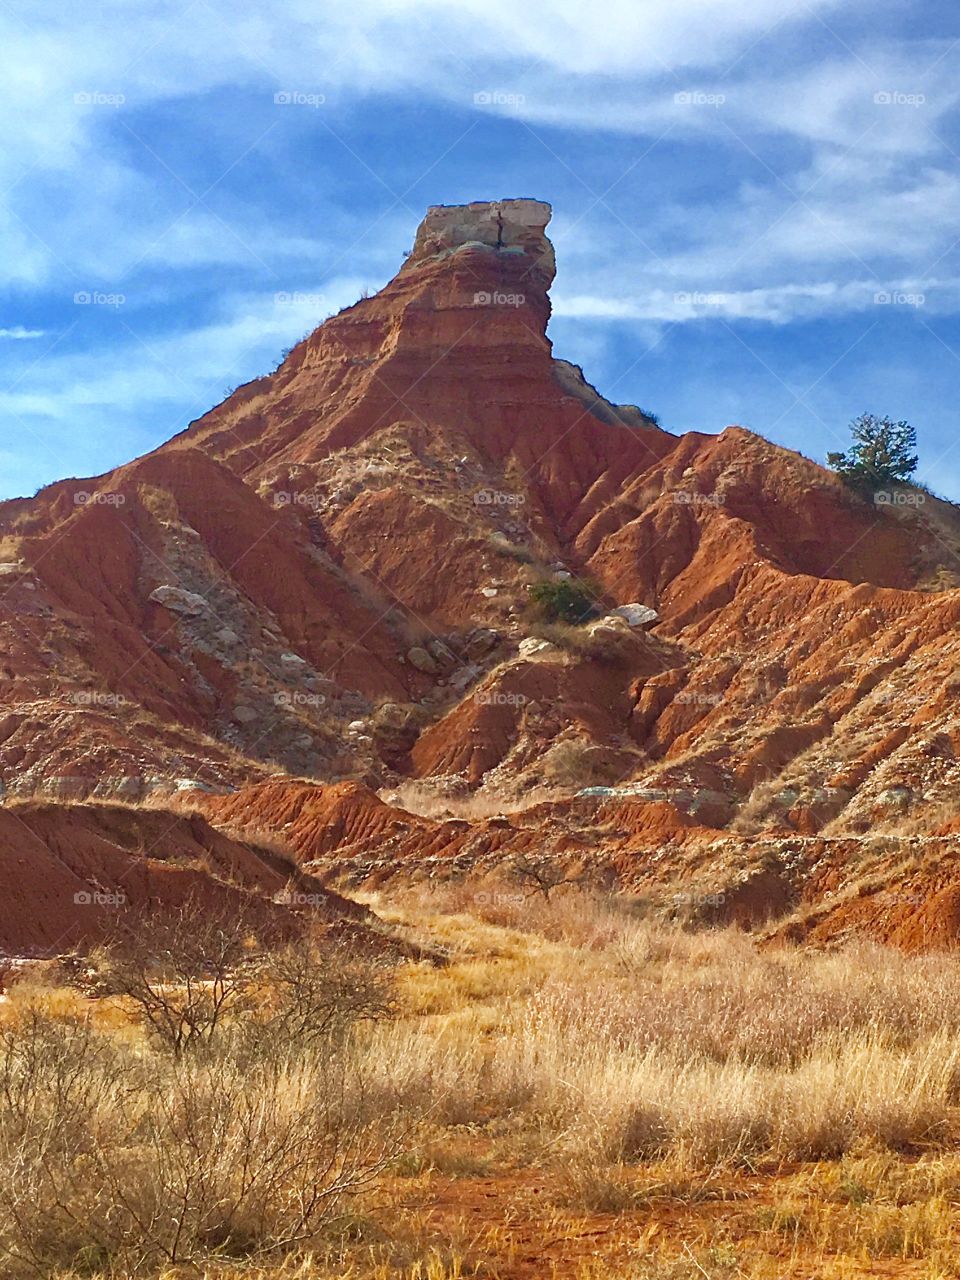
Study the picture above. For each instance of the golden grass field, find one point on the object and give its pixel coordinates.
(579, 1092)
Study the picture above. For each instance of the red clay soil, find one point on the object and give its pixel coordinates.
(66, 871)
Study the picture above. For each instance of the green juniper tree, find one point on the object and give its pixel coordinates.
(883, 453)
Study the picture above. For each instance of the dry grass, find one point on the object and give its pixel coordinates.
(627, 1040)
(582, 1086)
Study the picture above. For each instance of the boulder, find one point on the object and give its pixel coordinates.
(442, 654)
(635, 615)
(178, 600)
(480, 642)
(422, 660)
(531, 646)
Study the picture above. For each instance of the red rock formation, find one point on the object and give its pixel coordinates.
(327, 575)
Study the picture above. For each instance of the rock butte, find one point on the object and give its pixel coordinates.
(318, 591)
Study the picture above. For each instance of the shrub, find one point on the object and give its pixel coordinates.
(563, 600)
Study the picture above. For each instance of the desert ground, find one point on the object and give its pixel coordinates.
(560, 1085)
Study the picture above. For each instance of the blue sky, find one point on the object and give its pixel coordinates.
(756, 202)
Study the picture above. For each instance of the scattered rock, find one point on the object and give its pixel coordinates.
(465, 677)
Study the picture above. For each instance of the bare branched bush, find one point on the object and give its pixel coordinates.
(134, 1157)
(540, 873)
(183, 970)
(320, 992)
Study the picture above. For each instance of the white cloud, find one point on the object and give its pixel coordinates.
(138, 368)
(780, 304)
(83, 198)
(19, 333)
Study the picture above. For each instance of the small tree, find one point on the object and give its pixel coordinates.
(883, 453)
